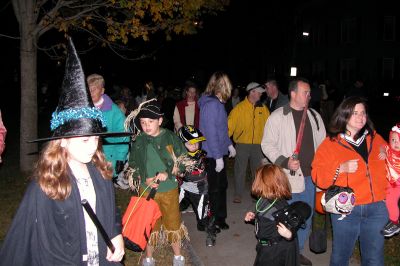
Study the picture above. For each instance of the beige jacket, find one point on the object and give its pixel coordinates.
(279, 141)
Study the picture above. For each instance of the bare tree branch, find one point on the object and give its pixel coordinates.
(10, 37)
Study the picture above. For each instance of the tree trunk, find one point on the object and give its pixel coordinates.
(29, 117)
(28, 151)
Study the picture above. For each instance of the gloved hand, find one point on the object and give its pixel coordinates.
(232, 151)
(219, 165)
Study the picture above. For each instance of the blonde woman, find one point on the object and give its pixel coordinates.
(214, 125)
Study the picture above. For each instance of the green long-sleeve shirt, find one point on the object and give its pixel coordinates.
(149, 155)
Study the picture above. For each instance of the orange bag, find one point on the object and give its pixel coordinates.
(318, 206)
(138, 222)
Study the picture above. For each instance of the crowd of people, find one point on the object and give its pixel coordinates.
(292, 144)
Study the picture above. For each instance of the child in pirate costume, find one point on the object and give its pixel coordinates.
(392, 154)
(194, 186)
(51, 227)
(153, 155)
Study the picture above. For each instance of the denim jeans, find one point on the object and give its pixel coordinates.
(364, 223)
(308, 196)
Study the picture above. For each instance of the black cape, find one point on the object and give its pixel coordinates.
(52, 232)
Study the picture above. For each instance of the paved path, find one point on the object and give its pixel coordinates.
(236, 246)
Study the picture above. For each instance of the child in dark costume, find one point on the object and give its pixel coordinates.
(277, 244)
(51, 227)
(194, 186)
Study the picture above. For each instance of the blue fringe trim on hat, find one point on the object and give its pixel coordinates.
(60, 118)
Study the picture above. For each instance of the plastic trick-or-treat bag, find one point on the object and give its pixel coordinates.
(139, 220)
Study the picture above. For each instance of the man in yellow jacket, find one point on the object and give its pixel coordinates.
(246, 124)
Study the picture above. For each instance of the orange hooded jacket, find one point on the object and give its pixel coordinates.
(368, 182)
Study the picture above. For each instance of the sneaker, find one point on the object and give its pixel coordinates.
(390, 229)
(210, 240)
(179, 261)
(148, 262)
(304, 260)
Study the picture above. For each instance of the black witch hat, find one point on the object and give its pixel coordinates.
(76, 115)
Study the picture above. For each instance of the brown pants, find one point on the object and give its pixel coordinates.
(170, 225)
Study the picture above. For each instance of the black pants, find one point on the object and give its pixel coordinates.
(200, 205)
(284, 253)
(217, 186)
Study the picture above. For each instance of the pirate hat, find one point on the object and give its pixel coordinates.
(75, 115)
(148, 109)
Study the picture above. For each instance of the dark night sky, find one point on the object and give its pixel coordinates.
(236, 41)
(229, 42)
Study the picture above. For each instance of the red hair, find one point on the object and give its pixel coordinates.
(271, 183)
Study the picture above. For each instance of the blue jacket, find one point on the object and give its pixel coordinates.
(214, 126)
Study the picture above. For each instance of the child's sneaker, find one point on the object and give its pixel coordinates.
(179, 261)
(148, 262)
(210, 240)
(390, 229)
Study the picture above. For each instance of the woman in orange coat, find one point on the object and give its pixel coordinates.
(351, 153)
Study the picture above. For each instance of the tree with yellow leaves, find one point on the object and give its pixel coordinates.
(111, 23)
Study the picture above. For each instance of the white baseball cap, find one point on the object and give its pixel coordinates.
(255, 86)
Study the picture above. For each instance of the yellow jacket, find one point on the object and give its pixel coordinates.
(246, 122)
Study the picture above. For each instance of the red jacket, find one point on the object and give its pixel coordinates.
(368, 182)
(181, 109)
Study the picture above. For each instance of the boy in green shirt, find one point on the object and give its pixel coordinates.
(153, 154)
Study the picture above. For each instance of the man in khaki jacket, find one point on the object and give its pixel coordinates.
(246, 125)
(279, 142)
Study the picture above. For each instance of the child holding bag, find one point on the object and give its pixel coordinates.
(277, 245)
(154, 154)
